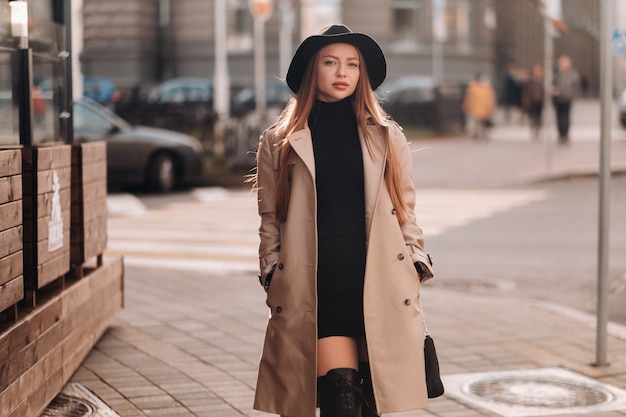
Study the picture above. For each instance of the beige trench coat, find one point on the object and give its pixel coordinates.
(287, 378)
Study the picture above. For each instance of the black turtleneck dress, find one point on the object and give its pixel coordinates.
(340, 219)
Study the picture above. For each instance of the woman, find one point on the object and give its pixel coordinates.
(341, 255)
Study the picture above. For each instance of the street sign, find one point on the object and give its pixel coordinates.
(261, 9)
(619, 42)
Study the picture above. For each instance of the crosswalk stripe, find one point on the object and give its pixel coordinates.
(217, 231)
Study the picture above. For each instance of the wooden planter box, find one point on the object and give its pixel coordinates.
(46, 193)
(89, 204)
(11, 255)
(40, 352)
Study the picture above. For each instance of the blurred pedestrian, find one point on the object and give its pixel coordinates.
(566, 88)
(341, 254)
(514, 80)
(534, 96)
(479, 105)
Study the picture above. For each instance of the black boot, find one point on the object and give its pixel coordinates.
(369, 408)
(340, 393)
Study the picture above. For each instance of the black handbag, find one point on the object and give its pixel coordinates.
(434, 385)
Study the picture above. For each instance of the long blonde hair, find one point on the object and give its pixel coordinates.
(368, 112)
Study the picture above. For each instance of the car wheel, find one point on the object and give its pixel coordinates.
(161, 173)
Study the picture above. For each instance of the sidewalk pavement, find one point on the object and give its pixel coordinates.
(188, 343)
(511, 157)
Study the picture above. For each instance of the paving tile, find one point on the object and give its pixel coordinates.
(199, 357)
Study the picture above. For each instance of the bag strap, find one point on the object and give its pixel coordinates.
(426, 332)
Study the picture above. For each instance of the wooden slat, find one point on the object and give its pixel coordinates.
(10, 241)
(79, 343)
(92, 237)
(12, 400)
(87, 153)
(10, 162)
(44, 205)
(90, 210)
(36, 403)
(42, 227)
(15, 338)
(38, 253)
(90, 173)
(44, 180)
(95, 191)
(11, 266)
(11, 293)
(10, 188)
(41, 158)
(10, 214)
(23, 360)
(42, 373)
(51, 269)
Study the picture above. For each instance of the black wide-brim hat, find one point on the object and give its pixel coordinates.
(373, 55)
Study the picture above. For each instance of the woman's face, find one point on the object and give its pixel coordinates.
(337, 72)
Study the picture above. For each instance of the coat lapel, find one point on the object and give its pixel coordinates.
(302, 143)
(373, 170)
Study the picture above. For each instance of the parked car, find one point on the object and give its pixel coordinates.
(409, 100)
(277, 94)
(139, 156)
(420, 101)
(101, 90)
(184, 104)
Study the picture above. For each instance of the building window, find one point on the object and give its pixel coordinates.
(407, 23)
(240, 26)
(464, 29)
(317, 14)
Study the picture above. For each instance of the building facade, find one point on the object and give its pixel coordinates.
(138, 43)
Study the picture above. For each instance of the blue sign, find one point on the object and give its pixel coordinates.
(619, 42)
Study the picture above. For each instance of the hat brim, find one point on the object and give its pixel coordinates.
(372, 54)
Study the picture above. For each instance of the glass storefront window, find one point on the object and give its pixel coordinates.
(46, 100)
(46, 40)
(42, 32)
(9, 117)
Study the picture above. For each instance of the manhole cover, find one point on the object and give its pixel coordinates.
(536, 392)
(66, 406)
(541, 392)
(75, 400)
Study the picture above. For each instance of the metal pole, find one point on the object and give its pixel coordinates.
(259, 64)
(606, 77)
(71, 58)
(221, 79)
(24, 62)
(548, 49)
(286, 31)
(439, 35)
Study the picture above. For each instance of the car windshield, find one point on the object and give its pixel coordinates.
(94, 118)
(404, 83)
(184, 89)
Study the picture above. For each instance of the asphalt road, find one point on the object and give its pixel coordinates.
(545, 250)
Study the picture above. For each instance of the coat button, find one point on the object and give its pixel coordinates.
(407, 302)
(400, 256)
(280, 266)
(279, 309)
